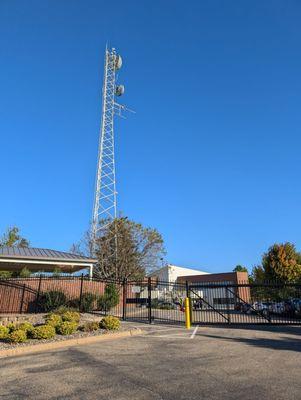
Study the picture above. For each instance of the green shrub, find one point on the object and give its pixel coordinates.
(110, 323)
(53, 319)
(109, 299)
(17, 336)
(66, 328)
(4, 331)
(5, 274)
(43, 332)
(11, 327)
(51, 300)
(24, 273)
(63, 309)
(90, 326)
(27, 327)
(87, 303)
(71, 316)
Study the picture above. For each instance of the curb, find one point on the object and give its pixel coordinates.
(68, 343)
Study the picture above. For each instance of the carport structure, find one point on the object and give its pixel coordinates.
(43, 260)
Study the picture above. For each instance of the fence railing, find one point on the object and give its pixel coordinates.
(148, 300)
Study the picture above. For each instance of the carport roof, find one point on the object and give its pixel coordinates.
(34, 253)
(36, 259)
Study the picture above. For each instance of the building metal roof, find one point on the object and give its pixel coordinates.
(34, 253)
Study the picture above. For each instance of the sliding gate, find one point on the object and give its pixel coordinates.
(226, 303)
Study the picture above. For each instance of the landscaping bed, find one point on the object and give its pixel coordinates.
(60, 325)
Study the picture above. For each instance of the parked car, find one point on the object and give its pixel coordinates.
(264, 308)
(278, 308)
(296, 305)
(197, 305)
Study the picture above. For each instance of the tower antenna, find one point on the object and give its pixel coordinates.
(105, 204)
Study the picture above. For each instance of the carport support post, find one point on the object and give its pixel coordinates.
(91, 272)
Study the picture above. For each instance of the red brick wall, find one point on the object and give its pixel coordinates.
(19, 295)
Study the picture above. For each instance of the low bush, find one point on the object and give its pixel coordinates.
(4, 331)
(63, 309)
(90, 326)
(11, 327)
(110, 323)
(53, 319)
(27, 327)
(71, 316)
(17, 336)
(43, 332)
(66, 328)
(51, 300)
(87, 303)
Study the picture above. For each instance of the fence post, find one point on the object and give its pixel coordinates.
(81, 291)
(38, 294)
(228, 305)
(22, 299)
(124, 294)
(149, 288)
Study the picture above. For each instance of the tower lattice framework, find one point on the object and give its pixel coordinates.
(105, 203)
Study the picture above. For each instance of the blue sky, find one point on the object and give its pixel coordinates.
(212, 156)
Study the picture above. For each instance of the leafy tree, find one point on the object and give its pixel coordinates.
(12, 238)
(280, 263)
(240, 268)
(257, 274)
(127, 250)
(124, 249)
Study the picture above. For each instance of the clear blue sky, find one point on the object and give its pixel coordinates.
(211, 157)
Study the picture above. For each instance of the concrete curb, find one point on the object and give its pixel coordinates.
(68, 343)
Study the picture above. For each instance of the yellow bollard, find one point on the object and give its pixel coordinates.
(187, 312)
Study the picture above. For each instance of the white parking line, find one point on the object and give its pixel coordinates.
(194, 332)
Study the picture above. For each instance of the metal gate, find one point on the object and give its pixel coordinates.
(155, 301)
(227, 303)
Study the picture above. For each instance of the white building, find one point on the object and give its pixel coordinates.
(170, 273)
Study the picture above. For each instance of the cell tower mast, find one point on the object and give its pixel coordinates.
(105, 205)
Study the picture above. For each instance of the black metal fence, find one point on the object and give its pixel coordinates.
(149, 301)
(245, 303)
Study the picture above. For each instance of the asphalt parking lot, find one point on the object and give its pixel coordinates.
(165, 363)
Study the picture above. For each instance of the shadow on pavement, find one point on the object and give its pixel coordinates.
(287, 329)
(284, 343)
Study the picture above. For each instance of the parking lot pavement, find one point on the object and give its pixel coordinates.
(165, 363)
